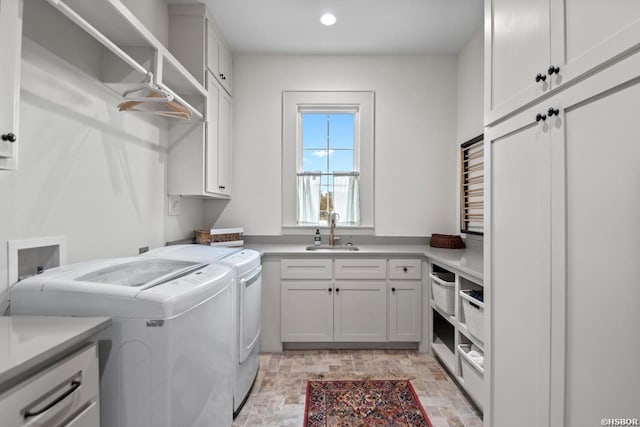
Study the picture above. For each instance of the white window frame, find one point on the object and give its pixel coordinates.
(296, 102)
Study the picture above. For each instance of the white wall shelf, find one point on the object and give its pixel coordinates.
(112, 24)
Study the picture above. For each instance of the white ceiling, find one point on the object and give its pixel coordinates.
(363, 26)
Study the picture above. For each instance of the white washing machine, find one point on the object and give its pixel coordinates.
(248, 297)
(155, 359)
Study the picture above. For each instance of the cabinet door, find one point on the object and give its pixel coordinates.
(405, 310)
(212, 155)
(225, 66)
(360, 311)
(306, 311)
(218, 59)
(585, 34)
(213, 50)
(516, 50)
(596, 173)
(520, 263)
(10, 45)
(224, 144)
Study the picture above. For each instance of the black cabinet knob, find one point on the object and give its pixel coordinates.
(329, 290)
(540, 117)
(393, 289)
(222, 76)
(337, 289)
(553, 70)
(11, 137)
(553, 111)
(540, 77)
(405, 269)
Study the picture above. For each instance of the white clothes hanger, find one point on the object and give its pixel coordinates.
(153, 92)
(154, 95)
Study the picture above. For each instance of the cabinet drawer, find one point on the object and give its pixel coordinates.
(90, 417)
(305, 269)
(54, 394)
(361, 269)
(405, 269)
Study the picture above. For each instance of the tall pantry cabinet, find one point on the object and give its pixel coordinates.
(562, 246)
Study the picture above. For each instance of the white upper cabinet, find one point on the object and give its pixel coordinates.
(10, 42)
(516, 52)
(533, 47)
(195, 42)
(218, 59)
(217, 146)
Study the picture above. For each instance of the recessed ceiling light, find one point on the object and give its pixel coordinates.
(328, 19)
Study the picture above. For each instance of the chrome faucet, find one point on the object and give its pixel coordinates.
(333, 219)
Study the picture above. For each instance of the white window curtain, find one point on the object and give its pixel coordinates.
(346, 195)
(309, 199)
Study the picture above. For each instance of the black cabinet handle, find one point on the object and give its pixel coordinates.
(11, 137)
(405, 269)
(540, 117)
(540, 77)
(222, 76)
(553, 111)
(553, 70)
(222, 187)
(74, 387)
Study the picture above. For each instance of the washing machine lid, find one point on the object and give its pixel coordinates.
(243, 261)
(195, 253)
(139, 273)
(123, 287)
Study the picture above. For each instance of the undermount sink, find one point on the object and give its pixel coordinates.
(346, 248)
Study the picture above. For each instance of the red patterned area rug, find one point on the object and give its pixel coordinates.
(363, 403)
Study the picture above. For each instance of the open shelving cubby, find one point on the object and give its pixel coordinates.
(451, 337)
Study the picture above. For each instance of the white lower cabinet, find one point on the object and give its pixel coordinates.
(405, 310)
(360, 310)
(350, 300)
(65, 394)
(307, 310)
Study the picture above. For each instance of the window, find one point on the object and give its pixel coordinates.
(327, 171)
(472, 186)
(327, 159)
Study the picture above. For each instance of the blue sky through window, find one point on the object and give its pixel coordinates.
(327, 142)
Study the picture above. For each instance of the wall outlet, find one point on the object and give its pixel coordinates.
(174, 205)
(143, 250)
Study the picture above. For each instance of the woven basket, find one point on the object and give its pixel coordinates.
(203, 237)
(446, 241)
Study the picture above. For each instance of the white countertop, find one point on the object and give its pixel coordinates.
(468, 261)
(29, 341)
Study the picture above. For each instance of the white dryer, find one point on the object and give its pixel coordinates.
(156, 358)
(248, 299)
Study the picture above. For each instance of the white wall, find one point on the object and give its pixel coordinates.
(86, 171)
(470, 112)
(415, 137)
(471, 89)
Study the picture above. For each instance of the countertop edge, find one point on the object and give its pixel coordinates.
(282, 250)
(17, 373)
